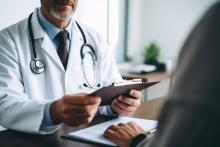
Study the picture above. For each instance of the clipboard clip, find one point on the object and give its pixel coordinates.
(127, 82)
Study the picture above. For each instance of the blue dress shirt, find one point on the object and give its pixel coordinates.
(52, 31)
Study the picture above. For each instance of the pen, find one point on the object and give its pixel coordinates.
(151, 131)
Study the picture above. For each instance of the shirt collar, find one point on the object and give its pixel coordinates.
(51, 29)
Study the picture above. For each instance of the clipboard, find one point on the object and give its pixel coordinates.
(108, 94)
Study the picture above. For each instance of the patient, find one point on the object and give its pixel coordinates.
(191, 114)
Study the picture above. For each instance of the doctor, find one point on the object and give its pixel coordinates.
(48, 64)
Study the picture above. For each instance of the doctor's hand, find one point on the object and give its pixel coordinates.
(74, 110)
(127, 105)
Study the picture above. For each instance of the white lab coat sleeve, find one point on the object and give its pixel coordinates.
(17, 110)
(110, 74)
(106, 61)
(109, 68)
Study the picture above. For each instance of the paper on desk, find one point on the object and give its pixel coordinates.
(95, 133)
(2, 129)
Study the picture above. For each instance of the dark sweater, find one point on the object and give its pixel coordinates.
(191, 114)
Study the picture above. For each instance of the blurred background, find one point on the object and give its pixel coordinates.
(146, 35)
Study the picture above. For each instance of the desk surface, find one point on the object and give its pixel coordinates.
(8, 138)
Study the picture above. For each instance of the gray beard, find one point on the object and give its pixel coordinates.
(60, 16)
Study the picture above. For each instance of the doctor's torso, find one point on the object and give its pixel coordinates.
(55, 81)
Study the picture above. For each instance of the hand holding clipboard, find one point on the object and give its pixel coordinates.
(108, 94)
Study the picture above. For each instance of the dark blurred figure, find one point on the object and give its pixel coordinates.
(191, 114)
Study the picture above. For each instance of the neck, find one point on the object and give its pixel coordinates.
(58, 23)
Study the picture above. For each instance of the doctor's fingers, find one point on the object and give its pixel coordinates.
(81, 100)
(123, 106)
(129, 101)
(81, 109)
(123, 109)
(135, 93)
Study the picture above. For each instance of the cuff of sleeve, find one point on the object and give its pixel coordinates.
(147, 141)
(107, 110)
(49, 129)
(136, 140)
(47, 124)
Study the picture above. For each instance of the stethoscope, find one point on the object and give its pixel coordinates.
(37, 66)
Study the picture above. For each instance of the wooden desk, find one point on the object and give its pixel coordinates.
(8, 138)
(149, 109)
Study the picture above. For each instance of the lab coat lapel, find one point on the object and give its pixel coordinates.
(46, 44)
(74, 59)
(48, 47)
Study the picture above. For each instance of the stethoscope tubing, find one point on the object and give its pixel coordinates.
(38, 70)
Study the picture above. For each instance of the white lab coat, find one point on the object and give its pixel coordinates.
(23, 94)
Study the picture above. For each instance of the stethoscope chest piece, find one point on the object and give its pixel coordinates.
(37, 66)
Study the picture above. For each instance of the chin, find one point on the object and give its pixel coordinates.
(61, 15)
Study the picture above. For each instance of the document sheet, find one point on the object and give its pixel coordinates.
(2, 129)
(94, 134)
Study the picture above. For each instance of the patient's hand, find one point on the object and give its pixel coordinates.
(122, 134)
